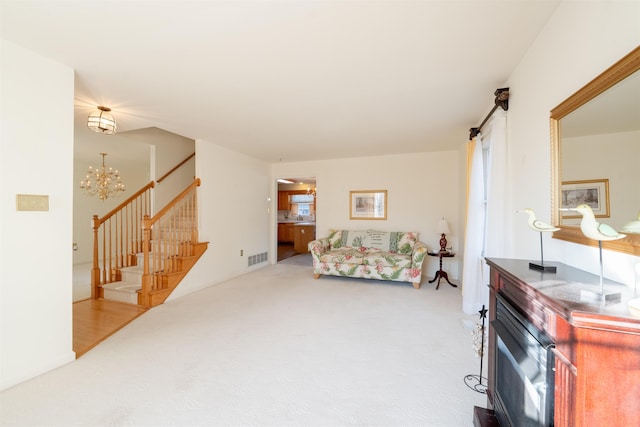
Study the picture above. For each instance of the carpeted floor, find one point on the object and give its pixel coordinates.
(271, 348)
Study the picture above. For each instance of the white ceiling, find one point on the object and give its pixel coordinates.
(287, 80)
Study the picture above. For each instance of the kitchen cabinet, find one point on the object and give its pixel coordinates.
(286, 232)
(283, 201)
(303, 234)
(289, 232)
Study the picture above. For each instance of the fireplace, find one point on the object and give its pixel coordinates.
(524, 374)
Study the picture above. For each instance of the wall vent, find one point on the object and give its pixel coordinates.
(257, 259)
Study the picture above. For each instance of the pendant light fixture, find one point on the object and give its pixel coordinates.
(102, 181)
(102, 121)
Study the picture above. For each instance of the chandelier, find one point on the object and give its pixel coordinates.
(102, 181)
(102, 121)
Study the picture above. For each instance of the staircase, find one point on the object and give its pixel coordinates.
(129, 288)
(139, 259)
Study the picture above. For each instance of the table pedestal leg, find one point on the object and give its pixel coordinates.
(441, 274)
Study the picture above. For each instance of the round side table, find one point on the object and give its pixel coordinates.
(441, 274)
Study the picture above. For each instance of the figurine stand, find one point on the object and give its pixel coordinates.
(542, 266)
(600, 296)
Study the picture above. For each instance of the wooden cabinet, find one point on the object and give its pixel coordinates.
(284, 198)
(303, 234)
(286, 232)
(597, 345)
(289, 232)
(282, 232)
(283, 201)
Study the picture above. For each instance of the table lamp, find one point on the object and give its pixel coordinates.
(443, 229)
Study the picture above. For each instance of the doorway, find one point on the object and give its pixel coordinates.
(296, 216)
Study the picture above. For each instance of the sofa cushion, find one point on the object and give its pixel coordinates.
(380, 240)
(335, 238)
(353, 238)
(406, 241)
(387, 259)
(343, 255)
(388, 241)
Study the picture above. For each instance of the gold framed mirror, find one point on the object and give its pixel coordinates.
(595, 136)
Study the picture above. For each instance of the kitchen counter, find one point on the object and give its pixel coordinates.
(295, 221)
(287, 229)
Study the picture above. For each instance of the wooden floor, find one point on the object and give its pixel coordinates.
(285, 250)
(94, 320)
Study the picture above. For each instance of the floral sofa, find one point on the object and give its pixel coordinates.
(370, 254)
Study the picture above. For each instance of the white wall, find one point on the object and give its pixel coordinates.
(615, 156)
(234, 215)
(422, 188)
(169, 150)
(581, 40)
(35, 247)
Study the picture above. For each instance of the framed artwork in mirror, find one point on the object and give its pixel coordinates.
(368, 204)
(594, 192)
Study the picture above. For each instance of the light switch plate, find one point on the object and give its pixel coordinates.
(32, 202)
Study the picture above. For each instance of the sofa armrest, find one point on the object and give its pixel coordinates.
(318, 247)
(418, 255)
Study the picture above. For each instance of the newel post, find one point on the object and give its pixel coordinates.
(95, 269)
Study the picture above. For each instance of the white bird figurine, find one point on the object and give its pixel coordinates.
(593, 229)
(535, 224)
(632, 226)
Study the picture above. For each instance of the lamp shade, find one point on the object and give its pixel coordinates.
(443, 226)
(102, 121)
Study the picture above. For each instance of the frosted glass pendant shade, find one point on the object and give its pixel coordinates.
(101, 121)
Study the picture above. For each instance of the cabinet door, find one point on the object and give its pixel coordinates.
(283, 201)
(289, 233)
(564, 395)
(282, 233)
(303, 235)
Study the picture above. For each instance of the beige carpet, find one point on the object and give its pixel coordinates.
(271, 348)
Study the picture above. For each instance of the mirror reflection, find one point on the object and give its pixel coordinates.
(599, 157)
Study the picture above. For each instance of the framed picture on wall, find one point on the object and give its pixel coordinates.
(593, 192)
(368, 204)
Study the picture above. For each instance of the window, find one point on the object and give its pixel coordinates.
(304, 209)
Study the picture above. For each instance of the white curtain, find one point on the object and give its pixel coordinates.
(487, 211)
(499, 216)
(473, 295)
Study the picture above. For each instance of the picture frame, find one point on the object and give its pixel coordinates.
(592, 192)
(368, 204)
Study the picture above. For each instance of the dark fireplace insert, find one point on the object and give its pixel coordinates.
(524, 374)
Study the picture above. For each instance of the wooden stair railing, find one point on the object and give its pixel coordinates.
(176, 167)
(117, 237)
(170, 246)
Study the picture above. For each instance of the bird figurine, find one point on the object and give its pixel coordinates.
(535, 224)
(600, 232)
(632, 226)
(593, 229)
(540, 226)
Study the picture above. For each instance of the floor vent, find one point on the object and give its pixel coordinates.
(257, 259)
